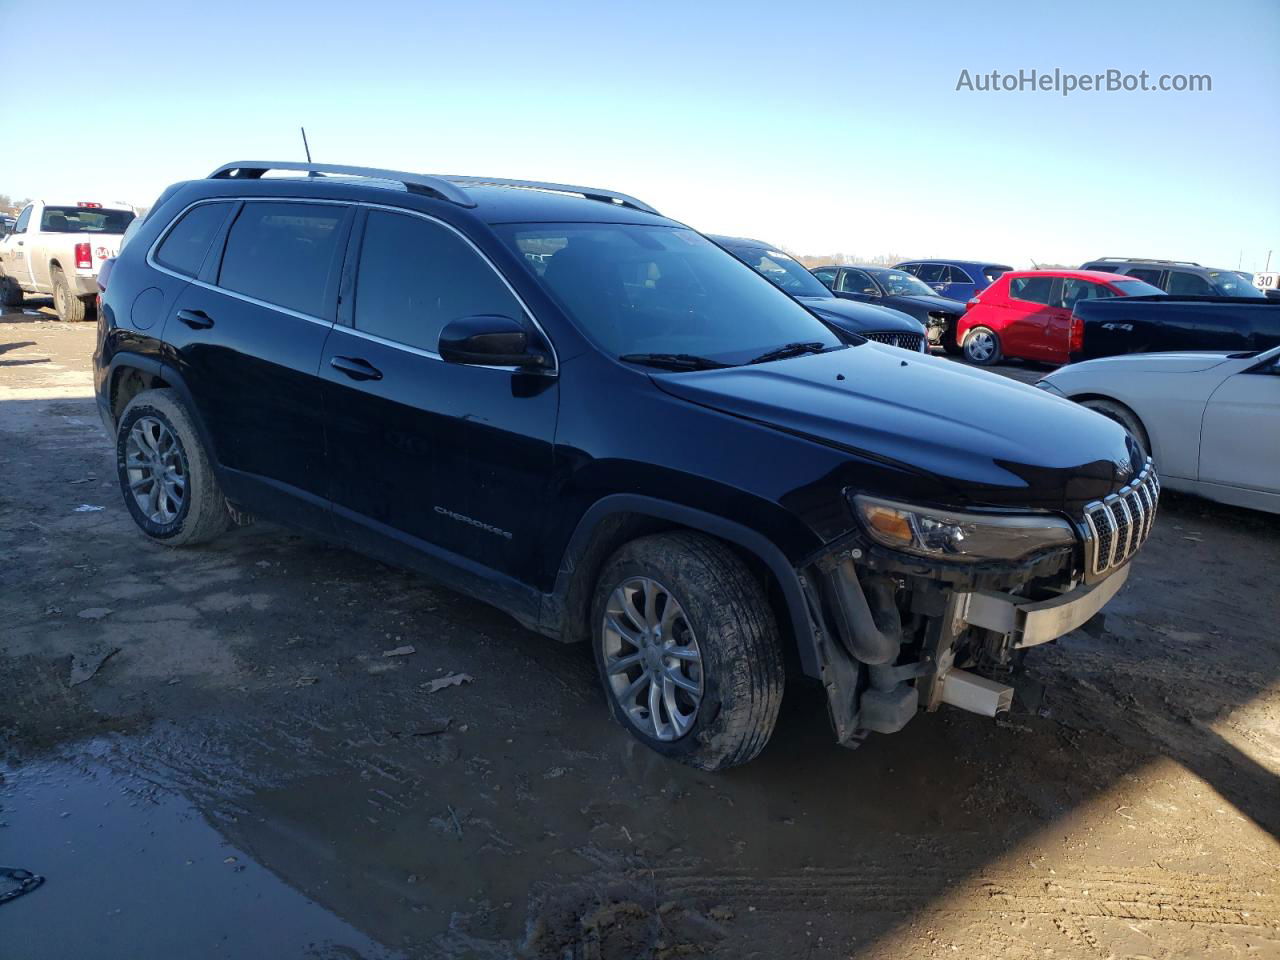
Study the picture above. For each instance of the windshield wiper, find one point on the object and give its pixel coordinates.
(791, 350)
(674, 361)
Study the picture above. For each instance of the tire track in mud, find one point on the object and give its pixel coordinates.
(1143, 895)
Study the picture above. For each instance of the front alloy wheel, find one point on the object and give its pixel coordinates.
(652, 659)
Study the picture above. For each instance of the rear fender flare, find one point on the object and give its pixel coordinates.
(152, 366)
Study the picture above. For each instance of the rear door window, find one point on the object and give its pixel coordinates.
(828, 277)
(415, 276)
(1034, 289)
(1145, 273)
(187, 243)
(911, 268)
(283, 254)
(1189, 284)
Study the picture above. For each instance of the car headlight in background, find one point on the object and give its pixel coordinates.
(957, 535)
(1048, 387)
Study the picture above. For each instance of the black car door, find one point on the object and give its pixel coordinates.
(246, 338)
(432, 461)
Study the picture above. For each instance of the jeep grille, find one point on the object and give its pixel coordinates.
(907, 341)
(1118, 525)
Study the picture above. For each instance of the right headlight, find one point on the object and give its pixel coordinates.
(958, 535)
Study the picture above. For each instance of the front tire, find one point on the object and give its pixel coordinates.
(168, 484)
(982, 347)
(1114, 410)
(69, 307)
(687, 650)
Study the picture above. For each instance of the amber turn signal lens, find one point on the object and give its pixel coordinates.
(890, 524)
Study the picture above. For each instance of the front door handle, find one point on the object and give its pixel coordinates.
(355, 368)
(196, 319)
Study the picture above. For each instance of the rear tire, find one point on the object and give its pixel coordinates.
(982, 347)
(691, 594)
(1114, 410)
(10, 292)
(156, 439)
(69, 307)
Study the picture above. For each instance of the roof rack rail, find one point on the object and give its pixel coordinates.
(590, 193)
(1185, 263)
(413, 182)
(448, 188)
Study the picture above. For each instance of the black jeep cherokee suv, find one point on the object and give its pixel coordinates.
(557, 400)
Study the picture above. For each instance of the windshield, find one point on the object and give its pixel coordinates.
(638, 289)
(1137, 288)
(1228, 283)
(899, 284)
(783, 271)
(84, 220)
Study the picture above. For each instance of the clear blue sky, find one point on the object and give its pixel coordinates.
(821, 126)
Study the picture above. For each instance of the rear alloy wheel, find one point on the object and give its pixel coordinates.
(982, 347)
(687, 649)
(168, 484)
(68, 306)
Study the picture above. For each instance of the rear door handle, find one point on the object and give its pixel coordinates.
(195, 319)
(355, 368)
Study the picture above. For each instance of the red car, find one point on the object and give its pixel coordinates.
(1027, 313)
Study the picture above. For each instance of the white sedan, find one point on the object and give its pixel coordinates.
(1210, 419)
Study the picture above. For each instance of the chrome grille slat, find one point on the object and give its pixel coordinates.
(907, 341)
(1117, 526)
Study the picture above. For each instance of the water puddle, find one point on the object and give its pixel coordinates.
(133, 870)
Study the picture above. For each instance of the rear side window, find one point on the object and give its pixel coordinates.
(283, 253)
(911, 268)
(956, 275)
(184, 249)
(416, 276)
(1035, 289)
(994, 273)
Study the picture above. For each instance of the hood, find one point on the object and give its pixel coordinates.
(965, 436)
(929, 303)
(861, 317)
(1154, 362)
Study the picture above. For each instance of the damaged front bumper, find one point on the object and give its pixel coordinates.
(896, 644)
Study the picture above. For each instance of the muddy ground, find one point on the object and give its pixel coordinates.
(248, 774)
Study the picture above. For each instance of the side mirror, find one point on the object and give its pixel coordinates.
(490, 341)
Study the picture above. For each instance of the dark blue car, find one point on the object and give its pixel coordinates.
(882, 324)
(956, 279)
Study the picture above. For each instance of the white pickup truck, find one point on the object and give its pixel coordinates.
(57, 248)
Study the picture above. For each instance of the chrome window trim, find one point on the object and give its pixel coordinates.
(430, 354)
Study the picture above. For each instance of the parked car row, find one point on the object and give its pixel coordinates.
(616, 430)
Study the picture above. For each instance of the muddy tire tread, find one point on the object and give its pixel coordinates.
(746, 651)
(207, 515)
